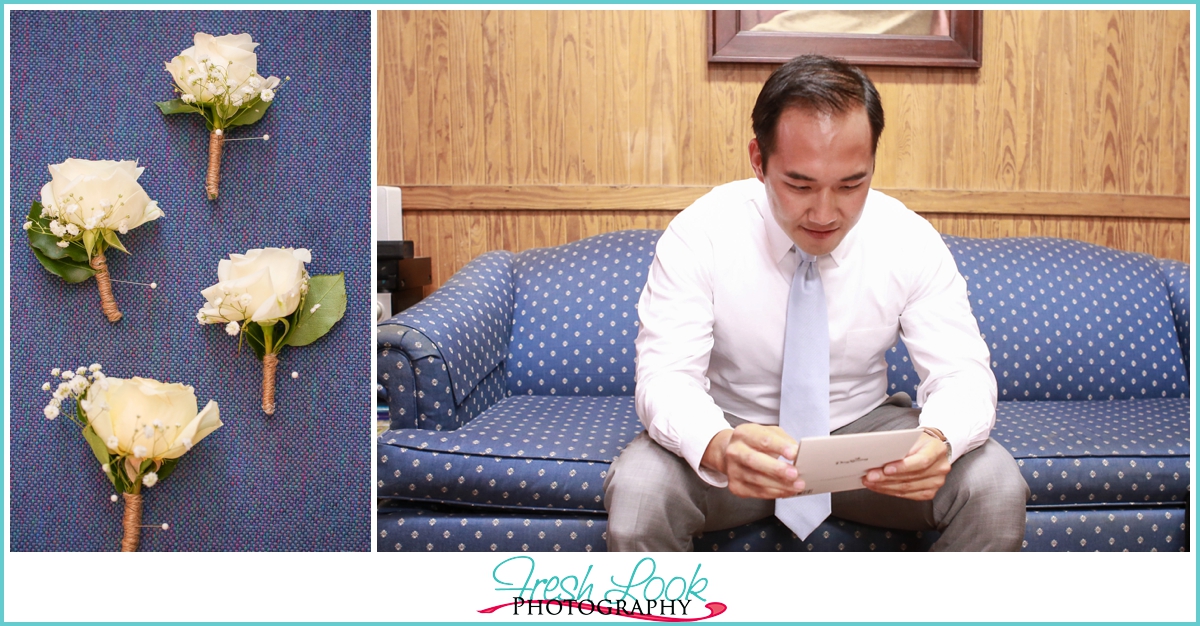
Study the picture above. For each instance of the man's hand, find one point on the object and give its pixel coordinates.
(749, 456)
(917, 476)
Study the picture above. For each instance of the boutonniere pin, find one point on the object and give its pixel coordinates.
(266, 298)
(83, 209)
(218, 78)
(137, 428)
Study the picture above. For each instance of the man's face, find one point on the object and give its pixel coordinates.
(818, 177)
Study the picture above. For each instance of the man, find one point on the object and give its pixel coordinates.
(765, 318)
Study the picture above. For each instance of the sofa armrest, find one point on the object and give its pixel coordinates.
(433, 355)
(1179, 279)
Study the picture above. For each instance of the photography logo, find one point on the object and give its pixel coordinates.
(643, 594)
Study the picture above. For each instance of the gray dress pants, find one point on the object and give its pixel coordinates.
(657, 503)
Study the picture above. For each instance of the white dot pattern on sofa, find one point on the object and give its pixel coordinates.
(1074, 454)
(576, 315)
(1066, 320)
(537, 452)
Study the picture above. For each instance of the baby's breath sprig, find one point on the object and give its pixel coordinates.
(218, 78)
(137, 429)
(83, 211)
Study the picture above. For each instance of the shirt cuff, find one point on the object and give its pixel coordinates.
(962, 437)
(693, 446)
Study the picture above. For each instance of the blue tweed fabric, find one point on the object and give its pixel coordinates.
(84, 85)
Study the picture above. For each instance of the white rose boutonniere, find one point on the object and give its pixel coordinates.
(137, 428)
(83, 210)
(218, 78)
(267, 297)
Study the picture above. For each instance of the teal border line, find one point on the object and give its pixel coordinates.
(4, 282)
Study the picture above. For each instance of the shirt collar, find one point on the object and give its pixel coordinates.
(779, 243)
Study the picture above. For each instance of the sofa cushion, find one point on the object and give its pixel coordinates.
(576, 315)
(1067, 320)
(433, 528)
(539, 452)
(407, 528)
(1104, 452)
(526, 452)
(1161, 529)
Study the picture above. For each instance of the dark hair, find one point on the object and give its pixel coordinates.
(816, 83)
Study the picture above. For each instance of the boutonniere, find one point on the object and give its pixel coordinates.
(83, 209)
(218, 78)
(137, 428)
(267, 298)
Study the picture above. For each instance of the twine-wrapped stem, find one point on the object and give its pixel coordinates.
(270, 362)
(216, 141)
(132, 522)
(108, 304)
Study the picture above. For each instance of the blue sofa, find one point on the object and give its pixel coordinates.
(510, 391)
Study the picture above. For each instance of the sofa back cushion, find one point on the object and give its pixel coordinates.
(1067, 320)
(576, 315)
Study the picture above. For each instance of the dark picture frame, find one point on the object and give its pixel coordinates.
(731, 41)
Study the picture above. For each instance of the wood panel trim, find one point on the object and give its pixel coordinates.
(670, 197)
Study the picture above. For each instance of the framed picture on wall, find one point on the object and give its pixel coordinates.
(863, 37)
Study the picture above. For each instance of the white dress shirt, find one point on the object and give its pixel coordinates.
(713, 312)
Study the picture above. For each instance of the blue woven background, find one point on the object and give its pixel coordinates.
(84, 85)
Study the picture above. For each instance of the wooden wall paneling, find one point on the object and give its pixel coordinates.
(497, 126)
(417, 50)
(1147, 67)
(636, 137)
(436, 120)
(1161, 238)
(1087, 101)
(612, 98)
(540, 102)
(453, 238)
(1179, 102)
(1107, 171)
(590, 79)
(1058, 83)
(391, 139)
(522, 97)
(594, 113)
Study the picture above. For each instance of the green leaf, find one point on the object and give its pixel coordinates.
(249, 114)
(110, 236)
(47, 242)
(120, 481)
(329, 292)
(254, 337)
(89, 241)
(168, 466)
(171, 107)
(100, 449)
(69, 270)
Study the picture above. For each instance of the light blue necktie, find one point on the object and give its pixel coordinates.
(804, 392)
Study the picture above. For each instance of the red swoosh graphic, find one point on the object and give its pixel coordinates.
(714, 609)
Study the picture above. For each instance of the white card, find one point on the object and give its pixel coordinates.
(838, 463)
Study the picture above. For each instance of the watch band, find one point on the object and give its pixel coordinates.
(935, 432)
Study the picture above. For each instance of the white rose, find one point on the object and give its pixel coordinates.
(215, 65)
(258, 286)
(105, 193)
(120, 411)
